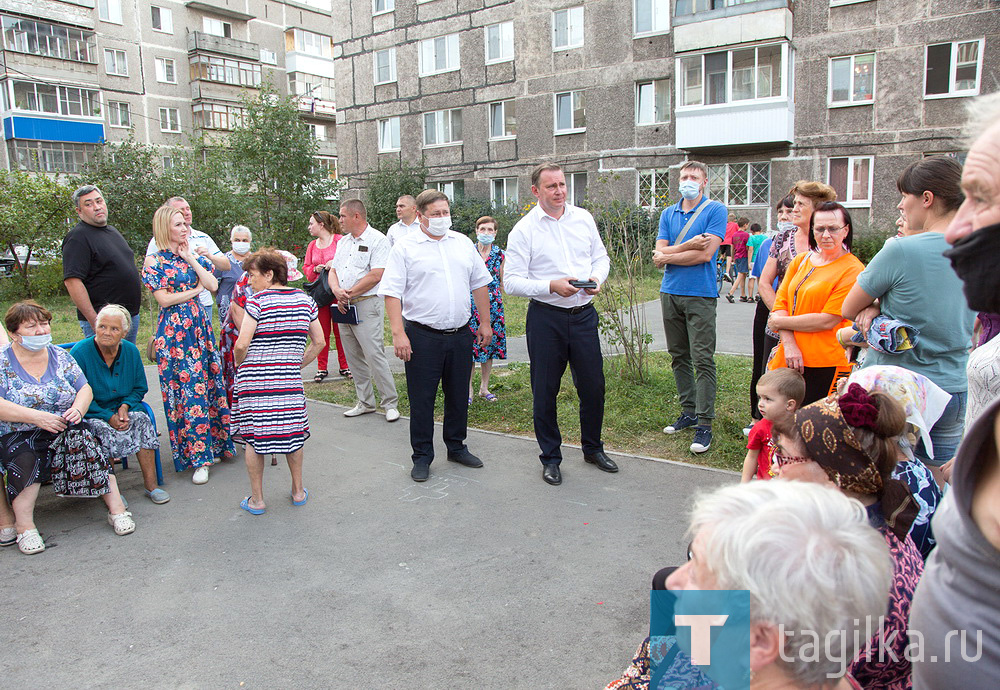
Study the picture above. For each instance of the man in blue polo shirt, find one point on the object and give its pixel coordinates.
(686, 248)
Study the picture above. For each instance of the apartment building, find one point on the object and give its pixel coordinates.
(621, 91)
(78, 72)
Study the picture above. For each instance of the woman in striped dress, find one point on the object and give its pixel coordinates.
(270, 409)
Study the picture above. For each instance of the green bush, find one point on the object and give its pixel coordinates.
(45, 282)
(465, 213)
(867, 244)
(386, 185)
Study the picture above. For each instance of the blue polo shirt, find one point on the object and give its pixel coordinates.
(697, 280)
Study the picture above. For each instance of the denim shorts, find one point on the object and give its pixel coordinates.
(946, 434)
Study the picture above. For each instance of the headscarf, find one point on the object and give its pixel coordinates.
(827, 431)
(990, 327)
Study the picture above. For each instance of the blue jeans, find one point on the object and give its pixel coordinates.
(132, 332)
(946, 434)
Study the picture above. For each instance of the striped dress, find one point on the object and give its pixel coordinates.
(270, 407)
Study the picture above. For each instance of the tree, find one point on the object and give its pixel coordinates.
(34, 215)
(386, 185)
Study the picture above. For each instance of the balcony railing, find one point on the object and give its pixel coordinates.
(200, 41)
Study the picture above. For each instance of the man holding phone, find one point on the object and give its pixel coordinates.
(556, 257)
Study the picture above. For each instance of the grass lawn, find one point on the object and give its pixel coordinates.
(634, 414)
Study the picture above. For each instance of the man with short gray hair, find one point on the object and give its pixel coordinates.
(98, 264)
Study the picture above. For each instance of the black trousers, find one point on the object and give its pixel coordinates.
(762, 346)
(444, 359)
(556, 338)
(818, 382)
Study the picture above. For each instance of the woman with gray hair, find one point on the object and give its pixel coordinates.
(812, 568)
(113, 367)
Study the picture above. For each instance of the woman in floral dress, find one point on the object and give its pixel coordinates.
(194, 394)
(486, 233)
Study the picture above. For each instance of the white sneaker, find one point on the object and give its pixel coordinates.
(358, 410)
(200, 475)
(122, 522)
(747, 429)
(391, 414)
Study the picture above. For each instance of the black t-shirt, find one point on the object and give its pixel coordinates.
(102, 259)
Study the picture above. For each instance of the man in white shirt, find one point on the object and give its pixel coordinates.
(406, 212)
(555, 245)
(426, 286)
(354, 277)
(201, 243)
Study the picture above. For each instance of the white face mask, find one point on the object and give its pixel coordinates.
(439, 226)
(241, 247)
(35, 343)
(690, 190)
(784, 225)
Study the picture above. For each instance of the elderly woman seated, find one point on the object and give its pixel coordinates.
(43, 393)
(812, 568)
(113, 368)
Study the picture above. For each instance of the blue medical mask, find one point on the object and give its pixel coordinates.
(36, 342)
(786, 225)
(439, 226)
(690, 190)
(485, 239)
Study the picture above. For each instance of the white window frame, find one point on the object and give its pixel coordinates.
(852, 59)
(572, 181)
(391, 52)
(317, 131)
(207, 26)
(268, 57)
(166, 19)
(161, 70)
(729, 102)
(849, 201)
(387, 6)
(660, 13)
(656, 174)
(114, 53)
(110, 11)
(665, 116)
(723, 192)
(953, 63)
(574, 28)
(502, 106)
(574, 96)
(429, 55)
(506, 185)
(505, 35)
(115, 109)
(167, 162)
(838, 3)
(388, 126)
(448, 188)
(444, 123)
(177, 119)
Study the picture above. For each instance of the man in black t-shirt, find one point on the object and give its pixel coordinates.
(98, 265)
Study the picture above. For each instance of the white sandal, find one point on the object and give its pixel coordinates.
(122, 522)
(8, 536)
(30, 541)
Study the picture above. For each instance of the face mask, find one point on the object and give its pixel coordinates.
(786, 225)
(485, 239)
(241, 247)
(690, 190)
(36, 342)
(974, 260)
(438, 226)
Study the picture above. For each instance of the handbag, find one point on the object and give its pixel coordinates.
(319, 289)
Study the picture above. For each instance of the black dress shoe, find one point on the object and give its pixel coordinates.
(466, 458)
(552, 475)
(601, 459)
(420, 473)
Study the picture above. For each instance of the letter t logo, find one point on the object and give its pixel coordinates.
(701, 634)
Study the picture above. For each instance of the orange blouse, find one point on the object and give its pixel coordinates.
(809, 289)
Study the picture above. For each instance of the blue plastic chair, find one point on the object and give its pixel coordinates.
(152, 418)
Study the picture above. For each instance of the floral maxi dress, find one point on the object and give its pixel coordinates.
(194, 394)
(497, 349)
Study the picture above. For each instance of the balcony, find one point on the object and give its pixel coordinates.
(749, 125)
(762, 20)
(198, 41)
(317, 107)
(220, 10)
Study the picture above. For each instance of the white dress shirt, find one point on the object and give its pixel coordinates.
(541, 248)
(399, 229)
(197, 239)
(357, 256)
(433, 278)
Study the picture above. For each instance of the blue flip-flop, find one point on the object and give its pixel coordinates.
(303, 501)
(245, 505)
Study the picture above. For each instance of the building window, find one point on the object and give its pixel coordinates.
(299, 41)
(110, 11)
(852, 178)
(652, 16)
(327, 164)
(443, 127)
(49, 156)
(652, 102)
(168, 163)
(57, 100)
(268, 57)
(953, 69)
(728, 76)
(740, 184)
(216, 27)
(439, 55)
(852, 80)
(503, 123)
(163, 19)
(115, 62)
(500, 42)
(570, 113)
(318, 132)
(166, 71)
(310, 86)
(385, 66)
(222, 70)
(567, 28)
(685, 7)
(576, 188)
(48, 40)
(381, 6)
(653, 188)
(119, 114)
(388, 134)
(503, 191)
(170, 120)
(216, 116)
(453, 189)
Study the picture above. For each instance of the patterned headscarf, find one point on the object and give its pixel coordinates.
(827, 431)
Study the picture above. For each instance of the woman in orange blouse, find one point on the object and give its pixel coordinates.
(807, 306)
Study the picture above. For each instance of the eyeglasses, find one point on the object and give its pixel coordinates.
(828, 231)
